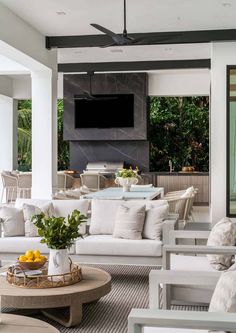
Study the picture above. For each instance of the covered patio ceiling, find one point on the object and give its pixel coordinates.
(73, 18)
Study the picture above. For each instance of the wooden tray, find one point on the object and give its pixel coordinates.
(17, 277)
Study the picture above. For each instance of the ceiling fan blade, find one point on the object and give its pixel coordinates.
(108, 45)
(156, 40)
(104, 30)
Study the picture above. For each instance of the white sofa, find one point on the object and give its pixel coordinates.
(95, 248)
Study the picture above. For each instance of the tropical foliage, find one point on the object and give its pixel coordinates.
(179, 131)
(24, 137)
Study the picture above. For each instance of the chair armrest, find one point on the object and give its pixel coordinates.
(190, 249)
(138, 318)
(169, 277)
(187, 234)
(170, 224)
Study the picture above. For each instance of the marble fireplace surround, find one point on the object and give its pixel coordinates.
(112, 144)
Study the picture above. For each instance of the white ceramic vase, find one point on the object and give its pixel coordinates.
(126, 182)
(59, 262)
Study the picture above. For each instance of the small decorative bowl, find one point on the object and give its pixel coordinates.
(31, 265)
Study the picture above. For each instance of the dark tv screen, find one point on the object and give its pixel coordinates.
(105, 111)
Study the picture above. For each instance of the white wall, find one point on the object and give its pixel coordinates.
(223, 54)
(187, 82)
(6, 86)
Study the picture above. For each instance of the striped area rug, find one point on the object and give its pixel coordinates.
(109, 314)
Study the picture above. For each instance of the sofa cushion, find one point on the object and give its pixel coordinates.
(129, 221)
(21, 244)
(104, 212)
(107, 245)
(154, 221)
(12, 221)
(61, 207)
(222, 234)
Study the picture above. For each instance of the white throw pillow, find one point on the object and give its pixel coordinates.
(12, 221)
(154, 221)
(29, 210)
(129, 222)
(222, 234)
(224, 296)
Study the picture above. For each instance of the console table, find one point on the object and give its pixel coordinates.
(117, 193)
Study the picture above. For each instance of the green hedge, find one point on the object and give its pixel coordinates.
(179, 131)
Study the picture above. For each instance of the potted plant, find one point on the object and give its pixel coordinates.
(59, 234)
(126, 178)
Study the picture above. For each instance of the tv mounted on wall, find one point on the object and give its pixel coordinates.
(104, 111)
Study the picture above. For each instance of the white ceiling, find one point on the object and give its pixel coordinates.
(73, 17)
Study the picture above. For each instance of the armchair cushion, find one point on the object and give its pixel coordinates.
(129, 222)
(222, 234)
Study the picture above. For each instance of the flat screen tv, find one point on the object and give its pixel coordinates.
(105, 111)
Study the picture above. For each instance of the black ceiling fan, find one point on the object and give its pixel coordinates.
(124, 39)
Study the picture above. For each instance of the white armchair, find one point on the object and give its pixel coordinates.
(197, 283)
(168, 321)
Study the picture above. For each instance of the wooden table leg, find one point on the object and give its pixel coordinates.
(74, 317)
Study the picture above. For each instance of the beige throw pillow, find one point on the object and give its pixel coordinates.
(224, 296)
(29, 210)
(13, 223)
(222, 234)
(154, 220)
(129, 222)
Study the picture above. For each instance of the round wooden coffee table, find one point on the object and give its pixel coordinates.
(95, 284)
(21, 324)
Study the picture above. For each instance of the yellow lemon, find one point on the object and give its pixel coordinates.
(29, 260)
(42, 257)
(22, 258)
(29, 254)
(37, 260)
(37, 253)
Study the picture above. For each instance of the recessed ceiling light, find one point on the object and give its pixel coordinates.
(61, 13)
(168, 49)
(116, 50)
(226, 4)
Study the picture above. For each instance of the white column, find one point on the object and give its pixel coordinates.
(8, 133)
(44, 134)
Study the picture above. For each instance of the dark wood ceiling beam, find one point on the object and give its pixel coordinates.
(180, 37)
(133, 66)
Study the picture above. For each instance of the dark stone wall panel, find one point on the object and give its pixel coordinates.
(135, 153)
(111, 83)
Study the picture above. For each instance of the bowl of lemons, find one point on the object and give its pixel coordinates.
(32, 259)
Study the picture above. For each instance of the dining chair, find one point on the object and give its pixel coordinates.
(9, 183)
